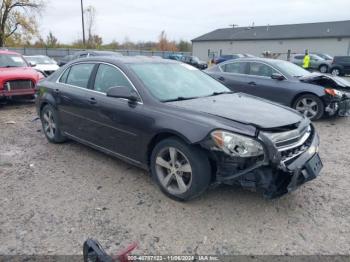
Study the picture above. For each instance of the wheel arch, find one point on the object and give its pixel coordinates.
(324, 64)
(159, 137)
(305, 93)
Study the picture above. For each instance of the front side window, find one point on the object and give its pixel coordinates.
(79, 75)
(237, 68)
(109, 76)
(259, 69)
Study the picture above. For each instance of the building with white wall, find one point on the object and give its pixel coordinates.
(327, 37)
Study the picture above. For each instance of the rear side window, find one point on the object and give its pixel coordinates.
(109, 76)
(79, 75)
(259, 69)
(343, 59)
(237, 68)
(299, 57)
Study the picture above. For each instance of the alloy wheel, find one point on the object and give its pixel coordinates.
(49, 124)
(174, 170)
(308, 107)
(335, 72)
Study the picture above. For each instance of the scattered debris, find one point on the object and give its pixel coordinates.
(10, 122)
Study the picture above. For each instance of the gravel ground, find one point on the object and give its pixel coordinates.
(53, 197)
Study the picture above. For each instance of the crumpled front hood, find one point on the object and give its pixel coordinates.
(245, 109)
(342, 83)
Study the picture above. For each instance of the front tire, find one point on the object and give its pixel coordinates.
(50, 122)
(182, 171)
(310, 106)
(336, 72)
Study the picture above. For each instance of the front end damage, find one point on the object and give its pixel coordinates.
(290, 159)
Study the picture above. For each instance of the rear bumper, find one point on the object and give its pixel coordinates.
(17, 92)
(271, 176)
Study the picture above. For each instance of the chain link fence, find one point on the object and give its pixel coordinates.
(58, 53)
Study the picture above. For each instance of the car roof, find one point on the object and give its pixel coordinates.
(250, 59)
(127, 60)
(7, 52)
(35, 56)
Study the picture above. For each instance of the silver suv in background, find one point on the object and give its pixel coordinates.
(316, 62)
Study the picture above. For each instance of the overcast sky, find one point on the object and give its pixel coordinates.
(181, 19)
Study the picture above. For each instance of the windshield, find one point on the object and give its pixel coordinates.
(291, 69)
(195, 59)
(40, 60)
(12, 60)
(177, 81)
(325, 56)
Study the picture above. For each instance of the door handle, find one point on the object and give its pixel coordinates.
(221, 78)
(252, 83)
(92, 100)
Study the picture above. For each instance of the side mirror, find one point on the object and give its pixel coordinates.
(122, 92)
(32, 64)
(277, 76)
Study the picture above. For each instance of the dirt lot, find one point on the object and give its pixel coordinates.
(52, 197)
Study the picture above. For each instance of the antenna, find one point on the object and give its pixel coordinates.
(233, 25)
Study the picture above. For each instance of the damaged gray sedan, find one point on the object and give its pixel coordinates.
(186, 128)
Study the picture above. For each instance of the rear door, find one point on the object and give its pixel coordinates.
(74, 104)
(233, 75)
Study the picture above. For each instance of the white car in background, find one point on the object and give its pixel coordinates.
(42, 63)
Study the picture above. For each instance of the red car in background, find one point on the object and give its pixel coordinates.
(17, 77)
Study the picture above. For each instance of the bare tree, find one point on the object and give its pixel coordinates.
(18, 16)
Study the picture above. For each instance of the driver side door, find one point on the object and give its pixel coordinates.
(118, 124)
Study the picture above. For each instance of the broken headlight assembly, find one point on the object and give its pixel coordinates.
(236, 145)
(333, 92)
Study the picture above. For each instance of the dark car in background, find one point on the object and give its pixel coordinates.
(340, 66)
(194, 61)
(223, 58)
(87, 53)
(312, 94)
(185, 127)
(316, 62)
(176, 57)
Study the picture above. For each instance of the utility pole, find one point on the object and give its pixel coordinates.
(82, 21)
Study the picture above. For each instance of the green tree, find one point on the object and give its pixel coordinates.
(184, 46)
(51, 41)
(18, 19)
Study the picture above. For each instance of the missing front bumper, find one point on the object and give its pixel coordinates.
(275, 180)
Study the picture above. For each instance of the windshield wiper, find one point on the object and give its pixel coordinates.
(180, 98)
(8, 66)
(221, 93)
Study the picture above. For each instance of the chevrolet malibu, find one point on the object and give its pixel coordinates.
(186, 128)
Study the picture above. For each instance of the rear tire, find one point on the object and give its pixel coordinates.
(310, 106)
(51, 126)
(323, 69)
(181, 171)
